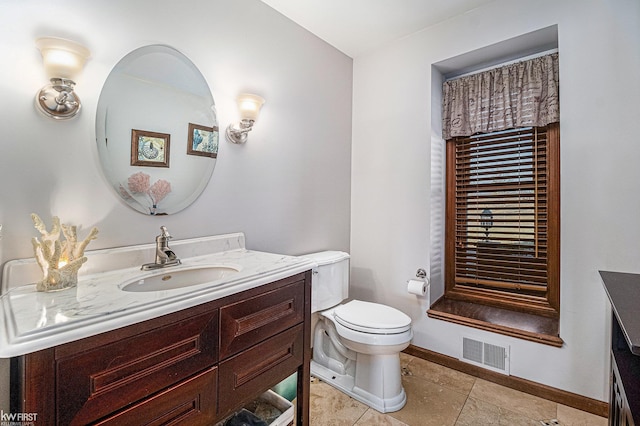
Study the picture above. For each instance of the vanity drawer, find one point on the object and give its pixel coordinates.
(252, 320)
(104, 379)
(192, 402)
(253, 371)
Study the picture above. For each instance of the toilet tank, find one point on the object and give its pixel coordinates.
(330, 282)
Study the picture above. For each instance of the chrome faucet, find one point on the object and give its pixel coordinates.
(164, 255)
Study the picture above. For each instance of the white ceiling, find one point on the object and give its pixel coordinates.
(357, 26)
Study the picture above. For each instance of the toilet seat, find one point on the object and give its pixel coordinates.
(371, 318)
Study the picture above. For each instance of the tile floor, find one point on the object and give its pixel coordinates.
(440, 396)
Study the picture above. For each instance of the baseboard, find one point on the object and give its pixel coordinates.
(574, 400)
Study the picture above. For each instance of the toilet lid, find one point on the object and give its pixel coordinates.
(372, 318)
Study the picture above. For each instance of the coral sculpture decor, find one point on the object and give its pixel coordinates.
(59, 261)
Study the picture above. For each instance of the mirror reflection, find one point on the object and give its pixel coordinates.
(157, 130)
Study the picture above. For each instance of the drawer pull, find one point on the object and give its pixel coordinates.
(253, 320)
(144, 366)
(190, 402)
(251, 371)
(240, 378)
(261, 318)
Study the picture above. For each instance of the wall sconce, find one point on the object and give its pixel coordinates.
(249, 106)
(63, 60)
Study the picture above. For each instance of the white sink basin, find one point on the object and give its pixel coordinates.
(169, 279)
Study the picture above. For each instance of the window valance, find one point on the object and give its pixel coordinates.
(522, 94)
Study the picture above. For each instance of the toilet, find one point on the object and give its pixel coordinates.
(356, 344)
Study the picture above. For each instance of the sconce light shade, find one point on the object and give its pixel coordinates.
(63, 61)
(62, 58)
(249, 106)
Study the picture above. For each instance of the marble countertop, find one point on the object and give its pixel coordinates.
(32, 321)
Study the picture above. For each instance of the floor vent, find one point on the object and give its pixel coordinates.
(487, 355)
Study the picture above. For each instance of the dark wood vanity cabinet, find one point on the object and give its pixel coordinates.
(623, 290)
(192, 367)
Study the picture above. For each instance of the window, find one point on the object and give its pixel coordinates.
(502, 219)
(502, 215)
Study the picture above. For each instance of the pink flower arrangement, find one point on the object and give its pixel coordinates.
(159, 190)
(140, 183)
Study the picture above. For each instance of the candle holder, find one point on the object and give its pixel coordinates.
(59, 260)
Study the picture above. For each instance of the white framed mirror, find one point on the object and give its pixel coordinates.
(156, 130)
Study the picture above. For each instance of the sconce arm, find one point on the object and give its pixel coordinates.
(239, 134)
(58, 100)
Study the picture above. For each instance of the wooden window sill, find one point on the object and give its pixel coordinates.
(521, 325)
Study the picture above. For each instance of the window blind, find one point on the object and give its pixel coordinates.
(501, 211)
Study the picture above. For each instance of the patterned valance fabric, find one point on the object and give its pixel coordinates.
(518, 95)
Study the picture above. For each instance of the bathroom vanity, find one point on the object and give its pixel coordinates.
(191, 355)
(623, 290)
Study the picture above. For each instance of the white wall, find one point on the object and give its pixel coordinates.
(391, 224)
(288, 188)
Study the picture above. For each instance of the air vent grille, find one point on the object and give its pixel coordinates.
(487, 355)
(472, 350)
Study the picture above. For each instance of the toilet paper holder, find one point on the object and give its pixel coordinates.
(421, 273)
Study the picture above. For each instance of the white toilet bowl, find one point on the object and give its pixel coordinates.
(356, 345)
(357, 349)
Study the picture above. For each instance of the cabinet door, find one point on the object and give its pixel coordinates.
(97, 382)
(620, 413)
(616, 404)
(251, 372)
(252, 320)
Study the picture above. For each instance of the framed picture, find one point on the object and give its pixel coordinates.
(149, 148)
(203, 141)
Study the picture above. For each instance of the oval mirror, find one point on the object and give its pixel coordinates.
(157, 130)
